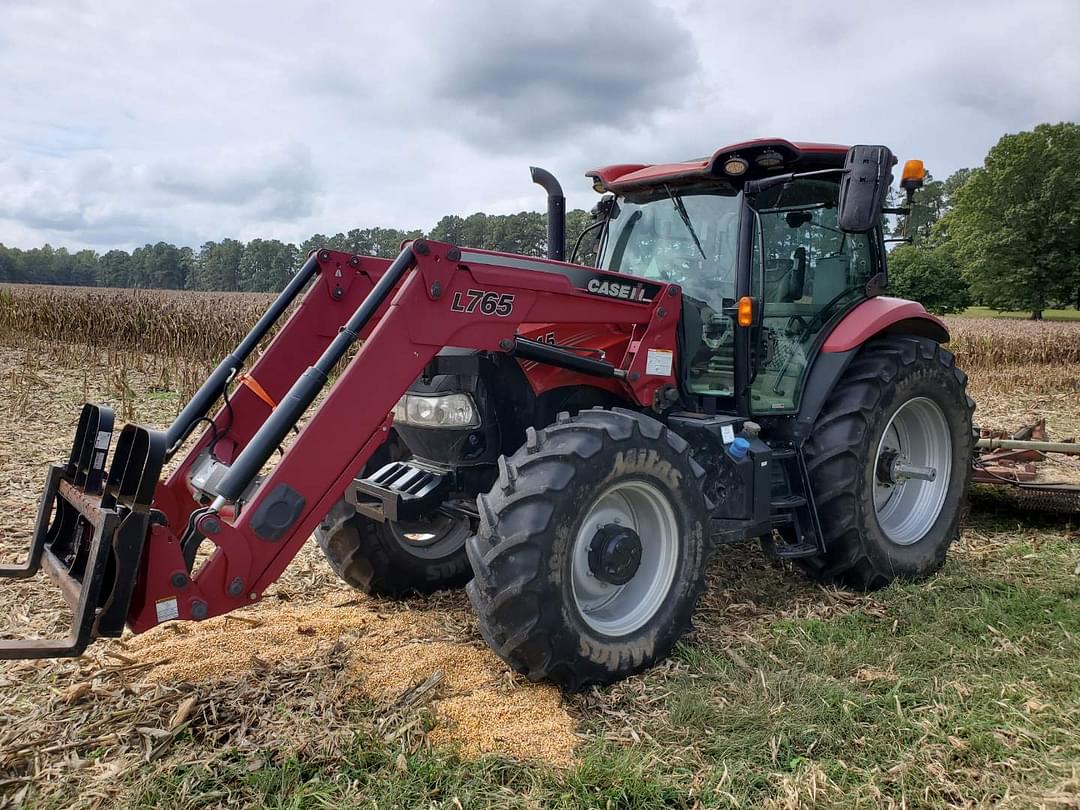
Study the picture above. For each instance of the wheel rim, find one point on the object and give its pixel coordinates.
(912, 470)
(618, 610)
(430, 539)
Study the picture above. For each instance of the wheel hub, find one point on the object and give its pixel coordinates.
(892, 468)
(614, 554)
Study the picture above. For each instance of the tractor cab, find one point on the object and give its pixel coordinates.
(757, 223)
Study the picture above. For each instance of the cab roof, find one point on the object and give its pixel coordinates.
(806, 156)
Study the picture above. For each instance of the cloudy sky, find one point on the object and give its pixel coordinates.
(187, 120)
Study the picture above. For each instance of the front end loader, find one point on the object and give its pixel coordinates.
(576, 441)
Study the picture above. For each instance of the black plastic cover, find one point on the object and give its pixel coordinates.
(277, 513)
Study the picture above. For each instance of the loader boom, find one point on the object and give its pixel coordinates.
(403, 313)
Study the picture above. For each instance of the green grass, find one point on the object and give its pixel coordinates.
(961, 690)
(1069, 314)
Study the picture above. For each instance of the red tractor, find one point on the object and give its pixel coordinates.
(574, 442)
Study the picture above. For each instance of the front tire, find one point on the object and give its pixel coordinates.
(391, 559)
(590, 553)
(899, 412)
(395, 560)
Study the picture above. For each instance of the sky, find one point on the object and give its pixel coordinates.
(184, 120)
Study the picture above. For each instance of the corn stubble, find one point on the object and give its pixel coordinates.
(294, 676)
(200, 327)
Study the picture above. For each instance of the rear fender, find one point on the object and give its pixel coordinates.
(883, 315)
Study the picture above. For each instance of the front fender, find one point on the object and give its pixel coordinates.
(883, 315)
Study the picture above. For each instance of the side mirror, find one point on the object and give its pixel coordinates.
(863, 189)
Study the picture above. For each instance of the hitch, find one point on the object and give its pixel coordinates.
(91, 530)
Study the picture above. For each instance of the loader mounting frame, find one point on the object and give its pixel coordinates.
(136, 563)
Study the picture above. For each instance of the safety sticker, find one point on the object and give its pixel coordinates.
(727, 434)
(166, 609)
(659, 361)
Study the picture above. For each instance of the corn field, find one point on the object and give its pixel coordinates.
(200, 328)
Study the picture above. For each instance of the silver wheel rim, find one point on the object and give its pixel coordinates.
(430, 539)
(916, 443)
(618, 610)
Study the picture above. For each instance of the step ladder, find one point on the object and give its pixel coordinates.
(794, 515)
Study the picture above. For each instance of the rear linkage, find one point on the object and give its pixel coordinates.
(122, 545)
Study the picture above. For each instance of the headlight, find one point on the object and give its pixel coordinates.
(445, 411)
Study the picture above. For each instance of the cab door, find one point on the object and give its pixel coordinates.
(806, 274)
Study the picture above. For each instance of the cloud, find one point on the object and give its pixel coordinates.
(541, 71)
(272, 180)
(189, 120)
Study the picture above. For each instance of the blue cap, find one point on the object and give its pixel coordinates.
(738, 448)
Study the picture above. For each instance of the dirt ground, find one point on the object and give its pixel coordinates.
(300, 668)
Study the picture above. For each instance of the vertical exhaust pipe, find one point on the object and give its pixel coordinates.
(556, 212)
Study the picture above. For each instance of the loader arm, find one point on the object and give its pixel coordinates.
(117, 545)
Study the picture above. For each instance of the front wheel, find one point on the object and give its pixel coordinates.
(590, 553)
(890, 463)
(395, 559)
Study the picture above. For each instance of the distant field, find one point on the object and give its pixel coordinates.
(1068, 314)
(201, 328)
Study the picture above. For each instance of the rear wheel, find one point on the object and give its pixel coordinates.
(890, 462)
(590, 553)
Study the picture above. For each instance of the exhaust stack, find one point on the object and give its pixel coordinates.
(556, 212)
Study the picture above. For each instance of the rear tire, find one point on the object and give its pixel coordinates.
(904, 384)
(547, 601)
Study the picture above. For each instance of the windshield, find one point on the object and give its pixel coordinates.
(685, 235)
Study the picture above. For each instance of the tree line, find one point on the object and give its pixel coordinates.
(1005, 235)
(264, 265)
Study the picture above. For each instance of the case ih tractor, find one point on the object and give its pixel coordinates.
(574, 442)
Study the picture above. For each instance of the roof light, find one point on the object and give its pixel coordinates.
(735, 166)
(913, 175)
(598, 184)
(769, 159)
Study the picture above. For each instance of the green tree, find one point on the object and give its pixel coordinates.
(217, 266)
(929, 275)
(114, 269)
(9, 264)
(576, 223)
(450, 228)
(165, 266)
(1016, 221)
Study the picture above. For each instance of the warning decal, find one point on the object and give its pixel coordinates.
(166, 609)
(658, 362)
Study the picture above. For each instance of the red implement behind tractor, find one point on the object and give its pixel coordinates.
(576, 441)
